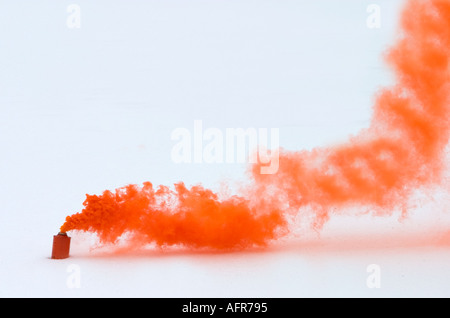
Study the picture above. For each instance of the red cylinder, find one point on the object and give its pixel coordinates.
(61, 246)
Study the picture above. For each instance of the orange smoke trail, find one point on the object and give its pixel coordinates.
(190, 217)
(402, 150)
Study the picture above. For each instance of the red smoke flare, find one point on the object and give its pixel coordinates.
(402, 150)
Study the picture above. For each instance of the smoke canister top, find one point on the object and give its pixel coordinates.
(61, 246)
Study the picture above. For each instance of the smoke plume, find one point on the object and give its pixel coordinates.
(402, 150)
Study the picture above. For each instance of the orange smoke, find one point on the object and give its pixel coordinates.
(402, 150)
(190, 217)
(404, 147)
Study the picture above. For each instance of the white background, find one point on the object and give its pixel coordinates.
(88, 109)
